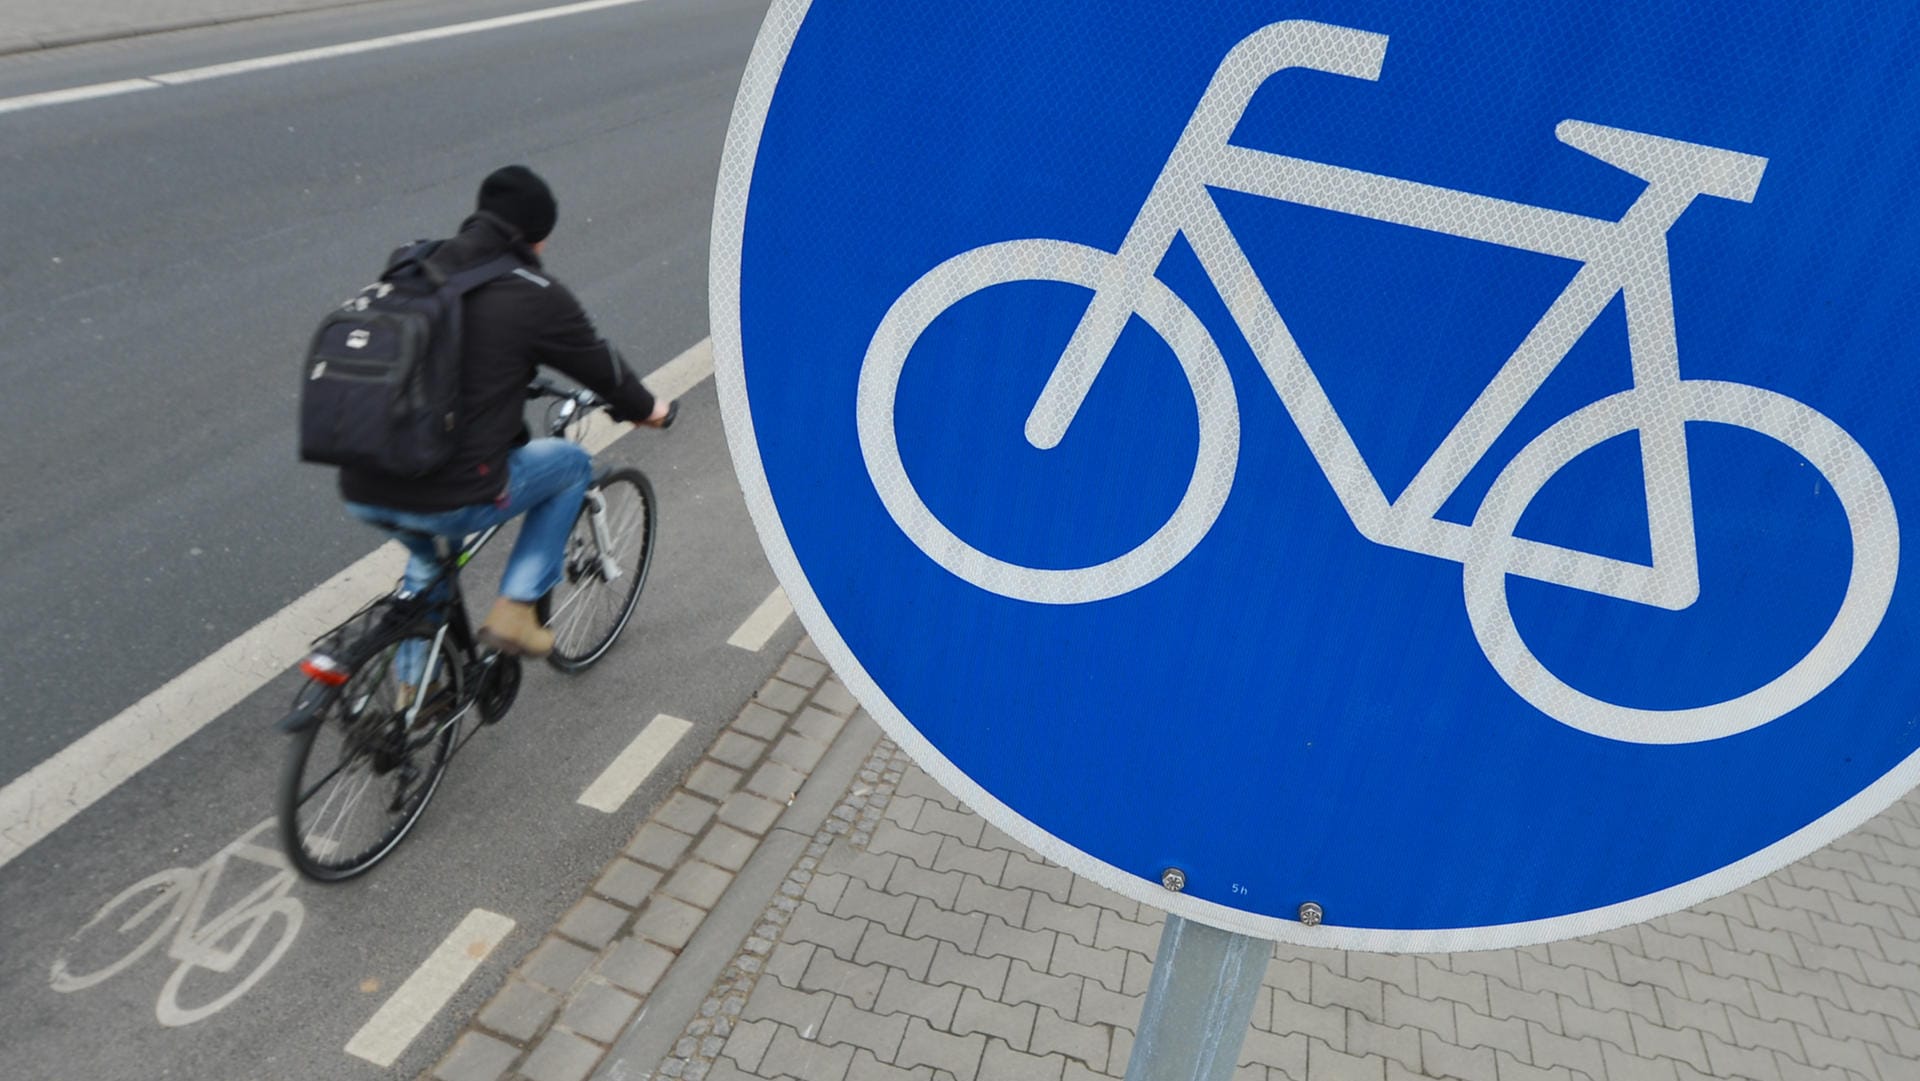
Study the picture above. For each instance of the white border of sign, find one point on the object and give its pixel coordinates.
(757, 87)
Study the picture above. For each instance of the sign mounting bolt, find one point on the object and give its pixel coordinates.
(1174, 879)
(1311, 913)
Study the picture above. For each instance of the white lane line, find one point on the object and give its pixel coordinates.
(78, 93)
(626, 773)
(395, 1024)
(302, 56)
(766, 619)
(44, 798)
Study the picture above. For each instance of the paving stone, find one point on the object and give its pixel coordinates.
(1400, 1044)
(668, 921)
(826, 891)
(599, 1012)
(1085, 892)
(1727, 1060)
(1389, 970)
(1285, 1052)
(799, 752)
(904, 811)
(1028, 984)
(915, 782)
(686, 812)
(962, 929)
(519, 1010)
(1608, 1026)
(658, 846)
(726, 847)
(1003, 1063)
(940, 887)
(1635, 999)
(1366, 996)
(1468, 989)
(1108, 967)
(1567, 981)
(627, 882)
(936, 1003)
(1543, 1048)
(889, 910)
(847, 1023)
(1404, 1010)
(750, 813)
(1099, 1006)
(1597, 956)
(1444, 1060)
(1011, 1023)
(818, 725)
(698, 884)
(802, 1011)
(1823, 1051)
(778, 694)
(1024, 873)
(759, 722)
(1139, 974)
(921, 848)
(776, 781)
(636, 965)
(987, 866)
(860, 984)
(1508, 1068)
(747, 1045)
(806, 1059)
(713, 780)
(1034, 947)
(476, 1057)
(988, 975)
(1327, 1025)
(789, 961)
(1654, 1040)
(1053, 1033)
(556, 963)
(561, 1056)
(593, 922)
(833, 697)
(914, 956)
(736, 750)
(1332, 1064)
(802, 670)
(957, 1055)
(840, 934)
(975, 895)
(962, 825)
(1540, 1007)
(1082, 924)
(1479, 1030)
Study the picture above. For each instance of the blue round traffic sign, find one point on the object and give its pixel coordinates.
(1442, 463)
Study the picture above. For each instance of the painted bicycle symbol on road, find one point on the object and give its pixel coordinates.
(1627, 257)
(174, 902)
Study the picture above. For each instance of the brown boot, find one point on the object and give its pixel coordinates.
(513, 627)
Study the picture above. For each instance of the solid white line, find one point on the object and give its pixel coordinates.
(626, 773)
(302, 56)
(78, 93)
(41, 800)
(395, 1024)
(766, 619)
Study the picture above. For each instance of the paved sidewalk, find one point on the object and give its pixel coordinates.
(44, 24)
(880, 931)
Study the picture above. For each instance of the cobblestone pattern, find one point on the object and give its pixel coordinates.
(572, 996)
(944, 951)
(851, 823)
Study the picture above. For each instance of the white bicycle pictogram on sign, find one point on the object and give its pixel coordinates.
(1627, 257)
(175, 901)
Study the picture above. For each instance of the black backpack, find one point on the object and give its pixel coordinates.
(382, 386)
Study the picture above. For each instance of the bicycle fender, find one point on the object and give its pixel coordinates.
(308, 707)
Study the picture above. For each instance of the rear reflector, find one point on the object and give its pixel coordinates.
(324, 669)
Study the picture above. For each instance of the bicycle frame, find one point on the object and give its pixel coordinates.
(1625, 257)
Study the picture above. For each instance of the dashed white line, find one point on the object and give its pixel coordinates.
(44, 798)
(609, 792)
(394, 1025)
(765, 620)
(302, 56)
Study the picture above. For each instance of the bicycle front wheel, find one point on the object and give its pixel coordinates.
(357, 779)
(608, 555)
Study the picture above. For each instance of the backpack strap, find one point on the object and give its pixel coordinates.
(473, 277)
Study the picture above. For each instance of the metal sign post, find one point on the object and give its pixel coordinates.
(1199, 1003)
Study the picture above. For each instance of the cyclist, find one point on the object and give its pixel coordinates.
(510, 326)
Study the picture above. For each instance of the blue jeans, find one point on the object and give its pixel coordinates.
(546, 480)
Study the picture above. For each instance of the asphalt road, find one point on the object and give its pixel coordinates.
(168, 253)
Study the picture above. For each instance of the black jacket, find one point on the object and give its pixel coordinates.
(510, 326)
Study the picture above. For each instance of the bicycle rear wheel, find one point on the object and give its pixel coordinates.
(356, 780)
(600, 585)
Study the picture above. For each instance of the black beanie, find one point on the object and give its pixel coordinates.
(519, 197)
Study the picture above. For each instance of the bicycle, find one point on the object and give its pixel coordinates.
(216, 944)
(1627, 257)
(389, 692)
